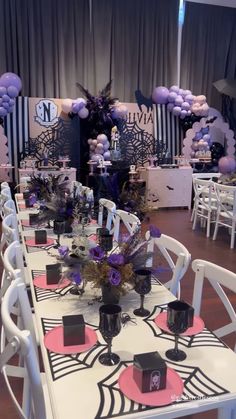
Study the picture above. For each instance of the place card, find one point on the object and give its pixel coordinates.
(149, 372)
(53, 273)
(40, 237)
(33, 219)
(73, 330)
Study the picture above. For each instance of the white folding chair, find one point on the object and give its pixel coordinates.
(9, 208)
(226, 210)
(107, 210)
(204, 203)
(206, 176)
(130, 221)
(35, 400)
(169, 247)
(217, 277)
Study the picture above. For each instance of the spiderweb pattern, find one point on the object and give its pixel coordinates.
(136, 144)
(54, 141)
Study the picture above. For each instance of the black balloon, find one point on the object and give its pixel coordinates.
(217, 151)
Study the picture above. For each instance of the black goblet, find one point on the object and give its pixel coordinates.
(59, 228)
(109, 326)
(178, 322)
(142, 281)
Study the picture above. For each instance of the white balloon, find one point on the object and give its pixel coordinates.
(83, 113)
(206, 137)
(66, 105)
(201, 99)
(90, 141)
(99, 146)
(81, 100)
(92, 147)
(94, 142)
(99, 150)
(101, 138)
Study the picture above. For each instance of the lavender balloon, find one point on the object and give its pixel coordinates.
(176, 110)
(172, 96)
(227, 165)
(160, 95)
(11, 79)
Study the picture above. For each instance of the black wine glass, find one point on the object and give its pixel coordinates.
(109, 326)
(59, 228)
(178, 322)
(142, 286)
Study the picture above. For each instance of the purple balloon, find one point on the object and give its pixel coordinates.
(176, 110)
(170, 107)
(11, 109)
(198, 135)
(179, 100)
(6, 98)
(12, 91)
(11, 79)
(185, 106)
(5, 105)
(189, 99)
(76, 107)
(12, 102)
(3, 90)
(183, 114)
(160, 95)
(174, 89)
(3, 111)
(172, 96)
(226, 165)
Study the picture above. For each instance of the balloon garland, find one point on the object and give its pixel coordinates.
(180, 102)
(10, 87)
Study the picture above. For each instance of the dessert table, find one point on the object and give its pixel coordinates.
(80, 387)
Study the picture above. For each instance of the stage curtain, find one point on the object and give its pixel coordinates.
(208, 49)
(46, 42)
(135, 44)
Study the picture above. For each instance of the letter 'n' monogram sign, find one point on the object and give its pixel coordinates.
(46, 113)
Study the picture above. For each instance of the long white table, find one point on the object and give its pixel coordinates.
(81, 388)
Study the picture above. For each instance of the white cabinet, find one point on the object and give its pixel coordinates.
(168, 187)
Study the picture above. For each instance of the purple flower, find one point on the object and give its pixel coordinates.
(97, 253)
(63, 251)
(114, 277)
(116, 259)
(75, 277)
(154, 231)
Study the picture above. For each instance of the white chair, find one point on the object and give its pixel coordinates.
(169, 247)
(9, 208)
(204, 203)
(4, 196)
(13, 262)
(217, 277)
(130, 221)
(107, 209)
(35, 400)
(4, 185)
(10, 232)
(226, 210)
(206, 176)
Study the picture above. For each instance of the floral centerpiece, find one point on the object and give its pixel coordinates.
(114, 272)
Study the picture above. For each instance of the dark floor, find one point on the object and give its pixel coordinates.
(176, 223)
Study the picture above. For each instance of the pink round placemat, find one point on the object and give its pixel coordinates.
(31, 242)
(198, 325)
(22, 205)
(174, 389)
(41, 282)
(93, 237)
(54, 341)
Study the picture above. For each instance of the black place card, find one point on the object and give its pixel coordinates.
(40, 237)
(53, 273)
(73, 330)
(149, 372)
(33, 219)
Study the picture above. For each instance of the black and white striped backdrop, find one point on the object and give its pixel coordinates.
(16, 127)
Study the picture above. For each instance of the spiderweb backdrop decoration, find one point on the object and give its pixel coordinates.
(136, 144)
(53, 142)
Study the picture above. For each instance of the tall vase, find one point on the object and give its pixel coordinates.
(110, 294)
